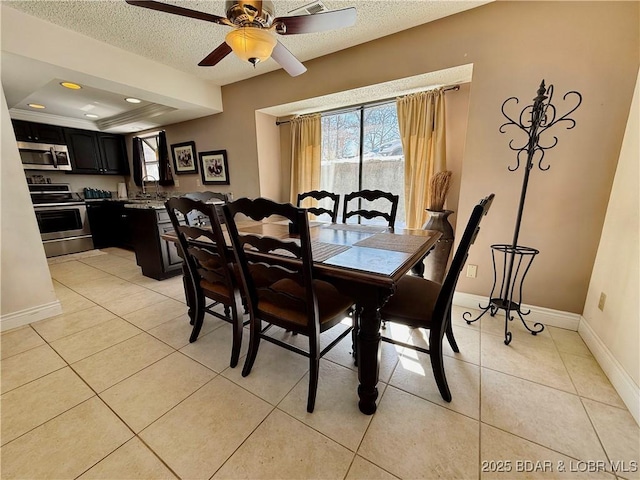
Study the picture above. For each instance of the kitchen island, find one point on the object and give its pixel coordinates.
(148, 221)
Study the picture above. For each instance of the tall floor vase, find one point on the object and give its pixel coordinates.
(434, 265)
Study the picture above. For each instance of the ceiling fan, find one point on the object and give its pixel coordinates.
(252, 23)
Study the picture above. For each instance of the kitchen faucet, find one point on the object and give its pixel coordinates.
(144, 188)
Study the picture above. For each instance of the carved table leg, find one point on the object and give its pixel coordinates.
(368, 352)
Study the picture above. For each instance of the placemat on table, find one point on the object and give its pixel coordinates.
(323, 251)
(390, 241)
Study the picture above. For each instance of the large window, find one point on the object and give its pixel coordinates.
(361, 149)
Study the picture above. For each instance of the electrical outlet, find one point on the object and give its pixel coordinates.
(603, 299)
(472, 271)
(198, 182)
(176, 182)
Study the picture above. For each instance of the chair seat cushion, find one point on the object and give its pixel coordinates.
(285, 299)
(413, 302)
(215, 290)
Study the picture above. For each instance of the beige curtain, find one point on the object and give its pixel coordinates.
(305, 154)
(421, 118)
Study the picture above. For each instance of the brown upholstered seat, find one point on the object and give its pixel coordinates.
(285, 299)
(280, 289)
(425, 304)
(413, 302)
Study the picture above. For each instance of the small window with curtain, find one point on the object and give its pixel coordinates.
(151, 155)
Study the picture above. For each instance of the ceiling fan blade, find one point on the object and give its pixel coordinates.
(185, 12)
(318, 22)
(285, 58)
(214, 57)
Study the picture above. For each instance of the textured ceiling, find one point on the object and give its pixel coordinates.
(182, 42)
(156, 58)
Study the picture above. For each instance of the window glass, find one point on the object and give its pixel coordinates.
(383, 160)
(150, 151)
(340, 153)
(376, 165)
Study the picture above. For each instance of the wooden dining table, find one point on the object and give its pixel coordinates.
(362, 261)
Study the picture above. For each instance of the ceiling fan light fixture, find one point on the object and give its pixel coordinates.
(251, 44)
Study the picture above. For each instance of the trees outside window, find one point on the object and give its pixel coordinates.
(361, 149)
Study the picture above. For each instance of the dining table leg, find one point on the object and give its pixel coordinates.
(368, 351)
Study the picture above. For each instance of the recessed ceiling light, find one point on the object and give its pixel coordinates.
(36, 105)
(133, 100)
(91, 115)
(71, 85)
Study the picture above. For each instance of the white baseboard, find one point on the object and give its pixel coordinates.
(29, 315)
(625, 386)
(546, 316)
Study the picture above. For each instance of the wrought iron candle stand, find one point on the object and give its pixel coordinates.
(543, 115)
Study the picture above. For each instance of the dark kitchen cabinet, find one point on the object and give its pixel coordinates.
(114, 154)
(109, 221)
(96, 153)
(38, 132)
(156, 257)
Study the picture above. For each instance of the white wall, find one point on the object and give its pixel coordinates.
(614, 333)
(26, 288)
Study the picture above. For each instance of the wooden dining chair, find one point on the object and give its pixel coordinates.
(319, 195)
(205, 196)
(369, 213)
(209, 267)
(277, 275)
(421, 303)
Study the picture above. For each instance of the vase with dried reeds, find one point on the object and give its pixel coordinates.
(434, 266)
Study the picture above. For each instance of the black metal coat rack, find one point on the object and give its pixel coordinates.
(511, 262)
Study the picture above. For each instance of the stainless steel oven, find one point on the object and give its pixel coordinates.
(62, 219)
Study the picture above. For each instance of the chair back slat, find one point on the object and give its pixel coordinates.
(271, 245)
(207, 195)
(370, 213)
(320, 195)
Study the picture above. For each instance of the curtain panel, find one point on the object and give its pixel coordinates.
(421, 120)
(306, 149)
(164, 165)
(138, 158)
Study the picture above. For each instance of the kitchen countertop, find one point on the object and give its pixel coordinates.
(131, 202)
(145, 204)
(141, 203)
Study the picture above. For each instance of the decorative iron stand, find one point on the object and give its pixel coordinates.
(543, 115)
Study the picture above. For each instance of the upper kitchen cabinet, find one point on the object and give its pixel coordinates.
(114, 154)
(96, 153)
(38, 132)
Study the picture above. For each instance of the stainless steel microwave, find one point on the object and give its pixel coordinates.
(44, 156)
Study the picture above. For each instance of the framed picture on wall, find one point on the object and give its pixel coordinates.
(214, 167)
(184, 158)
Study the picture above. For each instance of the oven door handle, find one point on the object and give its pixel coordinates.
(58, 206)
(55, 158)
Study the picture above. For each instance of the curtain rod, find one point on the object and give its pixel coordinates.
(368, 104)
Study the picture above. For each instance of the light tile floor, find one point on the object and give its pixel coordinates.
(112, 389)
